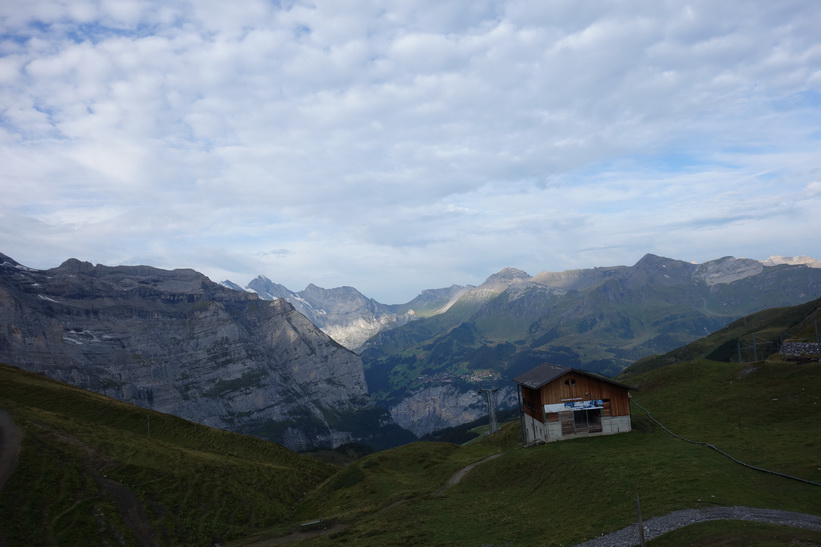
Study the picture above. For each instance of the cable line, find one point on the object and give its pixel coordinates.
(708, 445)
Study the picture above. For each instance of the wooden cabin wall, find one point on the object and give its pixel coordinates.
(585, 388)
(532, 402)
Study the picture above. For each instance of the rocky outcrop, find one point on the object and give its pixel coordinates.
(727, 270)
(175, 342)
(343, 313)
(446, 405)
(473, 297)
(776, 260)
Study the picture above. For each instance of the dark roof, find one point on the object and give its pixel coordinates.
(546, 373)
(542, 374)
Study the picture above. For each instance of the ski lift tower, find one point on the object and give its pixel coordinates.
(491, 409)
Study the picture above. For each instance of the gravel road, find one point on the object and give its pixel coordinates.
(654, 527)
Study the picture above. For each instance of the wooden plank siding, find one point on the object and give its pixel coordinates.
(556, 386)
(585, 388)
(532, 402)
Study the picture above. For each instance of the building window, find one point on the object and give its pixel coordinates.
(570, 382)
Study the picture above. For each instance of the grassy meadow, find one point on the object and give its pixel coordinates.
(93, 467)
(89, 469)
(765, 414)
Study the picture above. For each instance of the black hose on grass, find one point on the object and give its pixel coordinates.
(708, 445)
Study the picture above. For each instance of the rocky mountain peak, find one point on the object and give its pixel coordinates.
(231, 285)
(650, 261)
(268, 290)
(509, 274)
(343, 313)
(75, 265)
(344, 292)
(7, 260)
(726, 270)
(776, 260)
(658, 269)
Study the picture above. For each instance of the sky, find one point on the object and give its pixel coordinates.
(406, 145)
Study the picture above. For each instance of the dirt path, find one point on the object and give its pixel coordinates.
(459, 475)
(655, 527)
(10, 437)
(295, 536)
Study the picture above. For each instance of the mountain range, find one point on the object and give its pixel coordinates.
(345, 314)
(352, 319)
(80, 468)
(261, 360)
(427, 362)
(176, 342)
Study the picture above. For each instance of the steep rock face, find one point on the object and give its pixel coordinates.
(493, 286)
(432, 301)
(178, 343)
(343, 313)
(446, 405)
(727, 270)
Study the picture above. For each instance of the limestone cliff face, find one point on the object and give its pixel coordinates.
(178, 343)
(727, 270)
(446, 405)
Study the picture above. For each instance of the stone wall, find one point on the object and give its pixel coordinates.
(535, 430)
(800, 349)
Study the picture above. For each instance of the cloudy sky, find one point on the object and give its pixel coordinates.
(404, 145)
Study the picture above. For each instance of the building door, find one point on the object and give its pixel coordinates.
(584, 421)
(594, 420)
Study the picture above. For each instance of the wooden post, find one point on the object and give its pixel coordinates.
(755, 350)
(641, 524)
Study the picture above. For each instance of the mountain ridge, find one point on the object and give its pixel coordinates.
(600, 319)
(354, 326)
(174, 341)
(613, 317)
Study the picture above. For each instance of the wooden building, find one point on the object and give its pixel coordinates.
(560, 403)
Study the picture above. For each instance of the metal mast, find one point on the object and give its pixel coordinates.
(491, 409)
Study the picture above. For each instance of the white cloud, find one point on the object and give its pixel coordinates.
(409, 145)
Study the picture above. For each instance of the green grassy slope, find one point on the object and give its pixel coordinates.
(563, 493)
(768, 326)
(89, 472)
(738, 534)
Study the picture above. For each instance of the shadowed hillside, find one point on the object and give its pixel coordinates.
(93, 467)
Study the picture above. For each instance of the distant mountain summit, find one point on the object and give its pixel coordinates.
(599, 319)
(353, 319)
(775, 260)
(343, 313)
